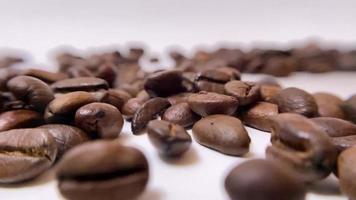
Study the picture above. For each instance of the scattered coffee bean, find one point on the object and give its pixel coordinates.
(222, 133)
(160, 84)
(170, 139)
(294, 100)
(347, 172)
(349, 108)
(259, 115)
(180, 114)
(245, 92)
(263, 180)
(88, 84)
(208, 103)
(102, 170)
(328, 105)
(19, 119)
(25, 153)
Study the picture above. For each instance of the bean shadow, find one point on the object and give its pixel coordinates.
(189, 158)
(44, 178)
(328, 186)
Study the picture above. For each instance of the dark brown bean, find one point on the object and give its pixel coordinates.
(116, 97)
(159, 84)
(19, 119)
(259, 115)
(208, 86)
(349, 108)
(245, 92)
(170, 139)
(180, 114)
(347, 172)
(222, 133)
(328, 105)
(88, 84)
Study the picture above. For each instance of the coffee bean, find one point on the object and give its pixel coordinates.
(328, 105)
(7, 74)
(170, 139)
(263, 180)
(218, 75)
(159, 84)
(102, 170)
(46, 76)
(269, 92)
(269, 81)
(19, 119)
(65, 136)
(347, 172)
(133, 88)
(294, 100)
(116, 97)
(179, 98)
(222, 133)
(132, 105)
(88, 84)
(79, 71)
(180, 114)
(207, 86)
(33, 91)
(259, 115)
(208, 103)
(25, 153)
(302, 145)
(100, 120)
(107, 72)
(63, 108)
(349, 108)
(245, 92)
(147, 112)
(344, 142)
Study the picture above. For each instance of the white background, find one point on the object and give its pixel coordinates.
(40, 26)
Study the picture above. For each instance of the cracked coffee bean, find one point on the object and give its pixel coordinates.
(222, 133)
(180, 114)
(25, 154)
(245, 92)
(20, 119)
(102, 170)
(100, 120)
(171, 140)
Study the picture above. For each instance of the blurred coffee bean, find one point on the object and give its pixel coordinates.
(102, 170)
(328, 105)
(132, 105)
(100, 120)
(133, 88)
(46, 76)
(269, 81)
(208, 86)
(20, 119)
(36, 93)
(259, 115)
(179, 98)
(279, 66)
(79, 71)
(245, 92)
(116, 97)
(269, 92)
(347, 172)
(8, 61)
(215, 75)
(171, 140)
(67, 60)
(25, 153)
(160, 84)
(222, 133)
(295, 100)
(107, 72)
(302, 145)
(263, 180)
(180, 114)
(349, 108)
(7, 74)
(208, 103)
(147, 112)
(88, 84)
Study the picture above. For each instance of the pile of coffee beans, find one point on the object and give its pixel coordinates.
(72, 119)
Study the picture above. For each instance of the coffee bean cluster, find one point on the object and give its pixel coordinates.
(72, 119)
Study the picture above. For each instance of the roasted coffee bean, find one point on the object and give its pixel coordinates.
(88, 84)
(269, 81)
(65, 136)
(179, 98)
(116, 97)
(349, 108)
(25, 153)
(245, 92)
(279, 66)
(259, 115)
(208, 103)
(133, 88)
(147, 112)
(302, 145)
(328, 105)
(170, 139)
(79, 71)
(218, 75)
(46, 76)
(344, 142)
(63, 108)
(207, 86)
(347, 172)
(107, 72)
(19, 119)
(222, 133)
(180, 114)
(7, 74)
(132, 105)
(33, 91)
(160, 84)
(100, 120)
(263, 180)
(269, 92)
(102, 170)
(294, 100)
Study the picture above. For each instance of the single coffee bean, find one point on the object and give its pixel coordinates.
(100, 120)
(349, 108)
(25, 153)
(263, 180)
(269, 92)
(88, 84)
(63, 108)
(302, 145)
(179, 98)
(102, 170)
(107, 72)
(116, 97)
(33, 91)
(65, 137)
(259, 115)
(159, 84)
(294, 100)
(170, 139)
(180, 114)
(245, 92)
(347, 172)
(46, 76)
(131, 107)
(19, 119)
(147, 112)
(208, 86)
(222, 133)
(328, 105)
(208, 103)
(215, 75)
